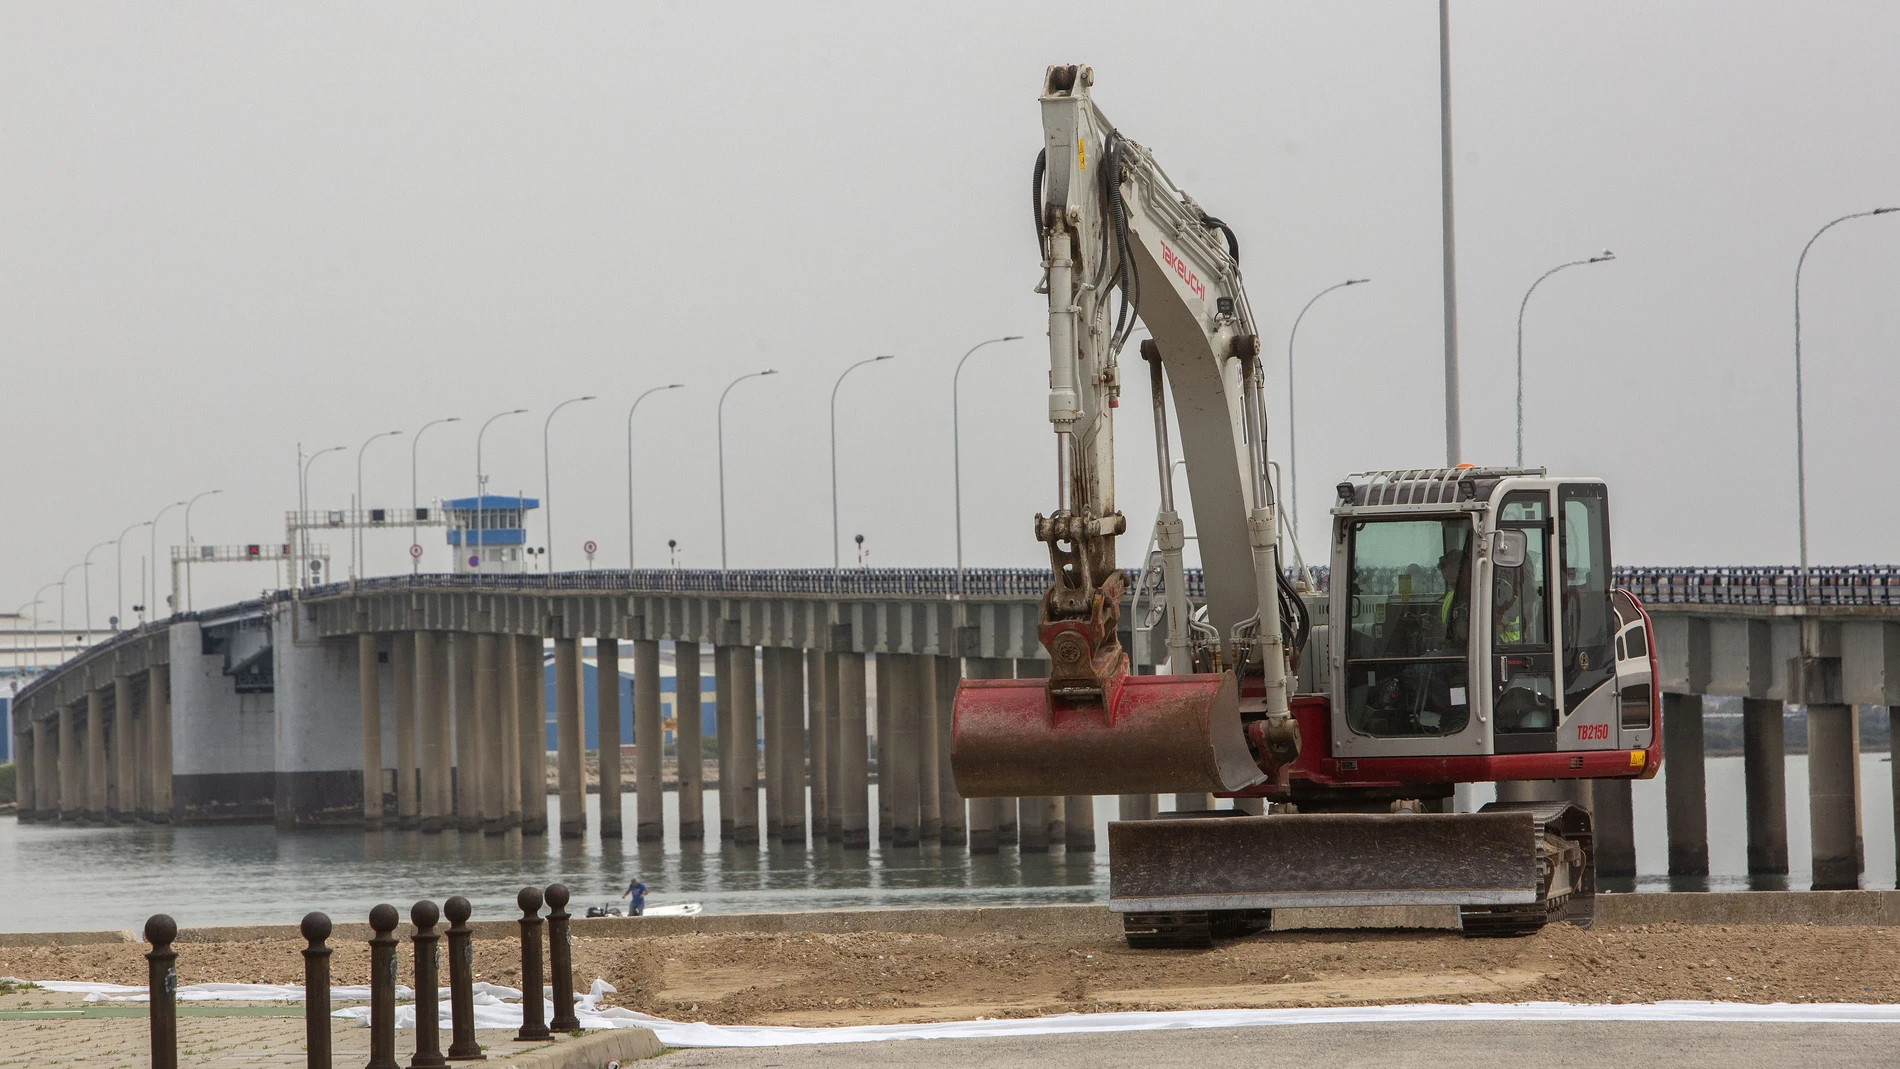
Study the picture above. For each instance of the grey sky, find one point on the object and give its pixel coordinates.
(228, 228)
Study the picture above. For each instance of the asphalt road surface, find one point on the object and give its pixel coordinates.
(1462, 1044)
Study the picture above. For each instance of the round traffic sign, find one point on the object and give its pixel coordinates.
(415, 550)
(589, 547)
(474, 561)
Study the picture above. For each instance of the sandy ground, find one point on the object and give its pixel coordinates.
(879, 977)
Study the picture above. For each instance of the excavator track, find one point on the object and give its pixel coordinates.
(1497, 921)
(1191, 929)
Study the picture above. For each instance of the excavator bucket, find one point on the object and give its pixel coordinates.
(1151, 735)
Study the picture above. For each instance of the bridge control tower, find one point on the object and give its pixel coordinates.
(489, 533)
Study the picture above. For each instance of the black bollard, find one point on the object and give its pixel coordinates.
(428, 999)
(532, 1014)
(560, 960)
(316, 991)
(382, 987)
(462, 1045)
(161, 974)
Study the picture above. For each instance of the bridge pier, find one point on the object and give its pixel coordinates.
(370, 707)
(568, 737)
(745, 745)
(854, 780)
(96, 766)
(1764, 772)
(687, 743)
(834, 731)
(26, 759)
(723, 731)
(142, 746)
(505, 729)
(987, 815)
(774, 724)
(468, 733)
(432, 728)
(649, 738)
(819, 712)
(791, 745)
(1685, 786)
(1834, 795)
(1614, 819)
(158, 705)
(122, 790)
(402, 664)
(488, 705)
(905, 750)
(929, 791)
(956, 821)
(531, 733)
(1135, 807)
(1040, 820)
(883, 679)
(607, 729)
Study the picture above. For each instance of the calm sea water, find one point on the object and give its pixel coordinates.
(54, 879)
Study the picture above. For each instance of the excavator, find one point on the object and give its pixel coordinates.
(1469, 631)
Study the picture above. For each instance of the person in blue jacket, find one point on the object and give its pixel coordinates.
(636, 893)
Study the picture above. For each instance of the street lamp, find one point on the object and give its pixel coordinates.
(62, 612)
(481, 480)
(188, 505)
(722, 457)
(86, 578)
(1800, 440)
(303, 515)
(357, 546)
(118, 567)
(547, 476)
(19, 651)
(956, 451)
(834, 453)
(151, 600)
(415, 536)
(38, 597)
(1292, 423)
(1606, 256)
(630, 411)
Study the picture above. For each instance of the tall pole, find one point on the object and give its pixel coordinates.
(415, 532)
(86, 578)
(956, 452)
(480, 483)
(722, 458)
(303, 519)
(635, 407)
(834, 452)
(356, 529)
(188, 505)
(62, 612)
(33, 630)
(547, 477)
(38, 597)
(1454, 443)
(1800, 437)
(1292, 410)
(151, 599)
(118, 567)
(1521, 305)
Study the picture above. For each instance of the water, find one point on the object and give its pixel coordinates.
(54, 879)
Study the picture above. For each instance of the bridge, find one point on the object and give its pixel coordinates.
(418, 702)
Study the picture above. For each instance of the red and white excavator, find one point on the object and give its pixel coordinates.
(1470, 632)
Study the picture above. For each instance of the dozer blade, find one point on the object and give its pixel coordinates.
(1154, 735)
(1323, 859)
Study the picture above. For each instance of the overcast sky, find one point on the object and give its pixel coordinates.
(226, 229)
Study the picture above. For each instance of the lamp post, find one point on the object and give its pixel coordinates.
(415, 536)
(1292, 410)
(1800, 439)
(62, 611)
(834, 452)
(188, 505)
(303, 515)
(630, 411)
(1607, 255)
(86, 581)
(19, 651)
(151, 599)
(480, 480)
(39, 596)
(722, 458)
(357, 546)
(118, 567)
(956, 449)
(547, 476)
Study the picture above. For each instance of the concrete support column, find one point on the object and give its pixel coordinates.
(1135, 807)
(369, 690)
(649, 741)
(819, 731)
(468, 733)
(568, 737)
(488, 755)
(125, 747)
(432, 739)
(854, 781)
(1685, 791)
(1614, 821)
(1833, 796)
(1040, 819)
(955, 830)
(158, 708)
(1079, 821)
(531, 716)
(25, 764)
(507, 727)
(402, 664)
(929, 790)
(834, 745)
(45, 769)
(989, 817)
(607, 728)
(722, 744)
(687, 743)
(883, 679)
(791, 741)
(72, 800)
(97, 769)
(142, 748)
(1192, 803)
(745, 745)
(903, 720)
(771, 667)
(1765, 777)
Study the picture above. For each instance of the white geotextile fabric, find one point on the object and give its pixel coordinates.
(499, 1007)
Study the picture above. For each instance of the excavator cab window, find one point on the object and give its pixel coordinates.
(1406, 659)
(1525, 681)
(1588, 624)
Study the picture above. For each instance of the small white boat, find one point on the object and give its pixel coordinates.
(683, 909)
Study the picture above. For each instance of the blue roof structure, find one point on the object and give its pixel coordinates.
(492, 501)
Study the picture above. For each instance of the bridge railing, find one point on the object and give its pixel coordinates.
(1877, 584)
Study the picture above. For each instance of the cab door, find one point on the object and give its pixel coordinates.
(1586, 624)
(1525, 699)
